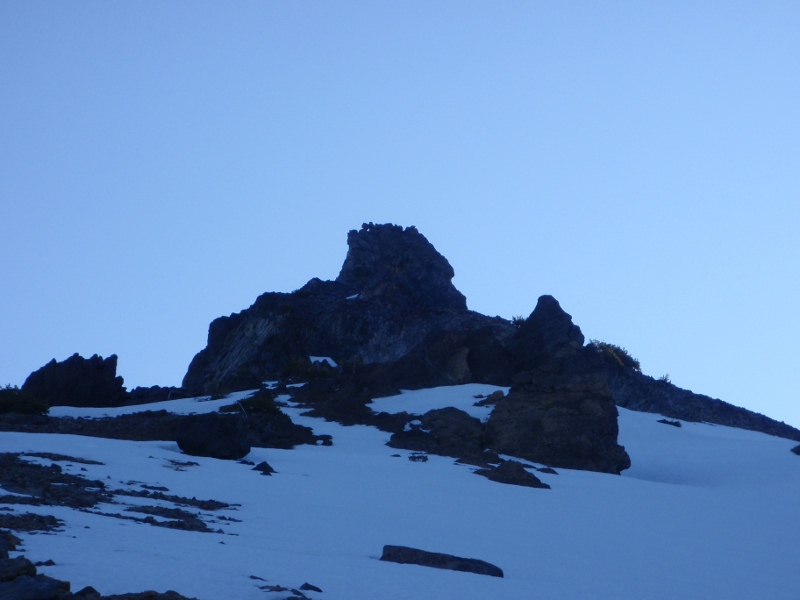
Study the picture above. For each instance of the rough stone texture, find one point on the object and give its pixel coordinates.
(393, 292)
(78, 381)
(438, 560)
(548, 332)
(39, 587)
(16, 567)
(560, 411)
(400, 267)
(560, 428)
(445, 431)
(213, 435)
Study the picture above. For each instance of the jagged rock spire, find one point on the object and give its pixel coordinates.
(399, 266)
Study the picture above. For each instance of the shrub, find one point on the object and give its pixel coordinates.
(517, 321)
(615, 355)
(14, 400)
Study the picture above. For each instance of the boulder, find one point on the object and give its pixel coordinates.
(560, 411)
(213, 435)
(569, 428)
(39, 587)
(513, 473)
(438, 560)
(11, 568)
(78, 381)
(444, 431)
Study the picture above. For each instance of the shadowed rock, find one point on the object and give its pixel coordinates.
(78, 381)
(213, 435)
(438, 560)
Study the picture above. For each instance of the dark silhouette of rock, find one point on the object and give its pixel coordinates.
(636, 391)
(548, 332)
(213, 435)
(398, 266)
(394, 291)
(39, 587)
(412, 556)
(78, 381)
(393, 320)
(796, 450)
(668, 422)
(560, 411)
(264, 468)
(513, 473)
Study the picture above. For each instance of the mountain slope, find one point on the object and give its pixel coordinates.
(704, 512)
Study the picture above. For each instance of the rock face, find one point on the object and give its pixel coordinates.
(393, 293)
(78, 381)
(560, 411)
(438, 560)
(393, 320)
(214, 435)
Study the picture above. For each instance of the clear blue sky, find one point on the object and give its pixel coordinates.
(164, 163)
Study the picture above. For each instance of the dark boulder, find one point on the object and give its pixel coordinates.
(400, 267)
(561, 427)
(264, 468)
(513, 473)
(213, 435)
(412, 556)
(39, 587)
(796, 450)
(445, 431)
(11, 568)
(78, 381)
(560, 411)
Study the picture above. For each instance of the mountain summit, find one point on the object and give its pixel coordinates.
(394, 291)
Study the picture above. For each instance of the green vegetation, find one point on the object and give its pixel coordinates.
(615, 355)
(14, 400)
(517, 321)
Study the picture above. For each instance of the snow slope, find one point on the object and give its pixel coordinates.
(704, 512)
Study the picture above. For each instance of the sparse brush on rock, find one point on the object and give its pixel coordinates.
(615, 355)
(14, 400)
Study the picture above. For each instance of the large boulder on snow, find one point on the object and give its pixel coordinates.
(213, 435)
(439, 560)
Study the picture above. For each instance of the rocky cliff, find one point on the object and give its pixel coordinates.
(394, 292)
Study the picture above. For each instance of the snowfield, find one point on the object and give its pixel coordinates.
(704, 512)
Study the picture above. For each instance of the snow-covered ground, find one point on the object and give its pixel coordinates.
(704, 512)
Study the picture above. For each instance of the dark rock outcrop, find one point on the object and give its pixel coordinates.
(78, 381)
(445, 431)
(636, 391)
(413, 556)
(393, 293)
(560, 411)
(213, 435)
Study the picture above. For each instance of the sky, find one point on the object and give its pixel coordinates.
(163, 164)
